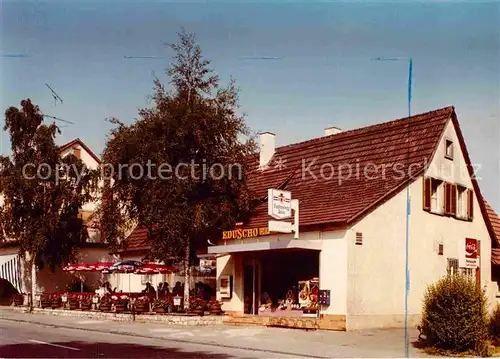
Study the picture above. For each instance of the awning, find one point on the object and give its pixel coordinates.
(10, 269)
(264, 246)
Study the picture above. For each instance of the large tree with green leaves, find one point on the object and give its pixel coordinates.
(42, 192)
(192, 146)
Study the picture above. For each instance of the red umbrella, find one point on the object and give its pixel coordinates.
(151, 268)
(87, 267)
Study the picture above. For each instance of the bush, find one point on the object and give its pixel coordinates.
(454, 315)
(495, 323)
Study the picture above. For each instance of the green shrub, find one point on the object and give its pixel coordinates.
(454, 315)
(495, 323)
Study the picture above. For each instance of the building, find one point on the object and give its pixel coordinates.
(136, 247)
(18, 272)
(351, 188)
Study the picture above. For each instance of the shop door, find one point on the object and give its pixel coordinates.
(251, 289)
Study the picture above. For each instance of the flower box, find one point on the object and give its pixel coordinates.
(86, 306)
(120, 308)
(56, 303)
(74, 305)
(105, 307)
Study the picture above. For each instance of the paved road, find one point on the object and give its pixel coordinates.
(26, 340)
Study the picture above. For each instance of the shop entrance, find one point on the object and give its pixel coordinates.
(283, 282)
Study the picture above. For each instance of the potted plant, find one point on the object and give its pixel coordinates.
(56, 301)
(215, 307)
(46, 301)
(162, 305)
(86, 302)
(105, 303)
(121, 302)
(141, 304)
(197, 306)
(73, 301)
(18, 299)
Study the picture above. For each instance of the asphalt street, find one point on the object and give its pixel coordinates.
(28, 340)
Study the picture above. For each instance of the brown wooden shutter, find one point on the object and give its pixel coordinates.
(447, 199)
(470, 204)
(427, 194)
(453, 198)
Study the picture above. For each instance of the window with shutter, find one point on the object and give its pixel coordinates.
(427, 194)
(462, 202)
(436, 201)
(447, 198)
(453, 199)
(470, 204)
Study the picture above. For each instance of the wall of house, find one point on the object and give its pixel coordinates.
(376, 285)
(332, 268)
(58, 281)
(91, 163)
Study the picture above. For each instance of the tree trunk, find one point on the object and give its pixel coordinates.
(187, 273)
(33, 279)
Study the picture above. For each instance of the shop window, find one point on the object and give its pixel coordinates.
(449, 149)
(452, 266)
(145, 278)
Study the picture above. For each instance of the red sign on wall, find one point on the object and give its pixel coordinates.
(470, 248)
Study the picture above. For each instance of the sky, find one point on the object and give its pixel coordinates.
(326, 75)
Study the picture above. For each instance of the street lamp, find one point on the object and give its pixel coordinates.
(408, 200)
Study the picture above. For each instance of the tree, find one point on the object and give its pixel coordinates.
(42, 192)
(192, 147)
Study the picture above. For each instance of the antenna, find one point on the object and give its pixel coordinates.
(59, 119)
(54, 95)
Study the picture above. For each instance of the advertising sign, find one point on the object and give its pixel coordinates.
(468, 252)
(279, 203)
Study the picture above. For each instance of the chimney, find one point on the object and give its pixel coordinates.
(267, 146)
(332, 131)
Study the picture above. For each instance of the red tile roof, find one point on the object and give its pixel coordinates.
(494, 220)
(77, 141)
(326, 202)
(342, 199)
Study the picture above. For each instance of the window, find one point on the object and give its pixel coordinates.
(461, 202)
(433, 189)
(452, 266)
(359, 238)
(145, 278)
(440, 249)
(436, 189)
(469, 272)
(449, 150)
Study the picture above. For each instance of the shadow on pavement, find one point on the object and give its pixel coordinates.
(99, 350)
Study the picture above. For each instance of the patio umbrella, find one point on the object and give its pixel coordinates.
(152, 268)
(87, 267)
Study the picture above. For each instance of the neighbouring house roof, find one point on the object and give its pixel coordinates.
(77, 141)
(494, 219)
(326, 203)
(89, 218)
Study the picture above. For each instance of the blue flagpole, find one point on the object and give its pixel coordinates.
(408, 211)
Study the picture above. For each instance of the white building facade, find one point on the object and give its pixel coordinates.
(362, 260)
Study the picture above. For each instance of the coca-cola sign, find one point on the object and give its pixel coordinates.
(470, 248)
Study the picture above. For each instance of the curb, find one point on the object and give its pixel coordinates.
(118, 332)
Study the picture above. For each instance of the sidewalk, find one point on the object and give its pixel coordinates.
(318, 344)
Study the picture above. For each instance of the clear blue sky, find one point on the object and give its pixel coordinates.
(325, 78)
